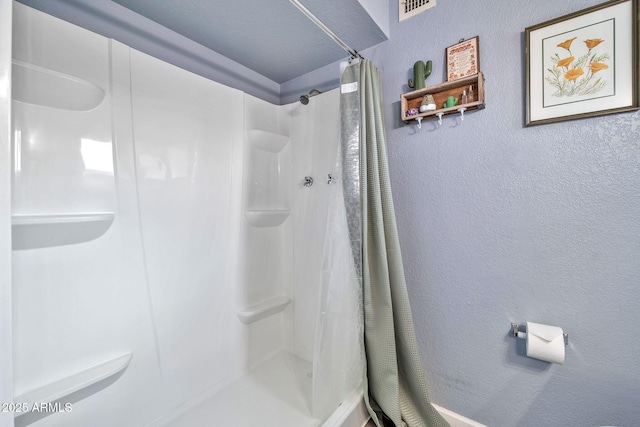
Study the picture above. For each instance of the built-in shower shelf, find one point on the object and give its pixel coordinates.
(48, 88)
(81, 380)
(264, 309)
(267, 141)
(44, 219)
(266, 218)
(44, 230)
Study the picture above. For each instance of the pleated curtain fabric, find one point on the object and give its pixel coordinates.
(395, 379)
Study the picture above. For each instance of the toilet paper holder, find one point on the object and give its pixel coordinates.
(519, 333)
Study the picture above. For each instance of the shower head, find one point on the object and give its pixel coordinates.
(304, 99)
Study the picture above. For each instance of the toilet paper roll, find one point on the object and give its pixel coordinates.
(545, 342)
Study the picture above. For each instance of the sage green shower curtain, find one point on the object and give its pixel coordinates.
(395, 379)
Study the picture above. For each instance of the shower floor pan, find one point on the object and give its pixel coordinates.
(275, 394)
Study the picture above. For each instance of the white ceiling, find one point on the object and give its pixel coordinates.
(270, 37)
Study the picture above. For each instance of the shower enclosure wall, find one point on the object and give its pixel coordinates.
(166, 255)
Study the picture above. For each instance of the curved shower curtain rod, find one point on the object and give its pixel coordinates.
(354, 54)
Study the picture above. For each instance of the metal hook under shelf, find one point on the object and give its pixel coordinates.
(462, 110)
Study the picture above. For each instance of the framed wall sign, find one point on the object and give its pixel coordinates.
(463, 59)
(583, 64)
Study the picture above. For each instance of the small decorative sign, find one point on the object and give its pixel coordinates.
(463, 59)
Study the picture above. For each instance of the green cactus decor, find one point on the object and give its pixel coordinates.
(421, 70)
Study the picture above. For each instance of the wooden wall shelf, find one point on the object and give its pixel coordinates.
(440, 93)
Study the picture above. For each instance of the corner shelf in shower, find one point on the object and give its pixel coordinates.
(264, 309)
(267, 141)
(44, 230)
(266, 217)
(80, 380)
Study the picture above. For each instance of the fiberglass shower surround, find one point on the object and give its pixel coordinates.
(166, 258)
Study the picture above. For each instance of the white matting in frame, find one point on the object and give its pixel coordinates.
(583, 64)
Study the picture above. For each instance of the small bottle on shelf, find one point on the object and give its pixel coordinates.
(464, 97)
(470, 94)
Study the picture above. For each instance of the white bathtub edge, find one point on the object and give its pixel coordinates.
(456, 420)
(351, 413)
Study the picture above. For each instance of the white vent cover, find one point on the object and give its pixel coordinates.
(409, 8)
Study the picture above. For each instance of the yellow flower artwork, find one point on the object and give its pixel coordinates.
(574, 65)
(573, 74)
(583, 64)
(591, 43)
(567, 44)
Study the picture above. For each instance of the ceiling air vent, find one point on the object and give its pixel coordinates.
(409, 8)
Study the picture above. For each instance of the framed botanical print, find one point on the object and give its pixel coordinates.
(583, 64)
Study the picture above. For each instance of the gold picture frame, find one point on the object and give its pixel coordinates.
(463, 59)
(583, 64)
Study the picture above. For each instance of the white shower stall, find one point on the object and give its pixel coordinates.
(166, 253)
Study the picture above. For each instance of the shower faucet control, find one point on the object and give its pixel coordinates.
(308, 181)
